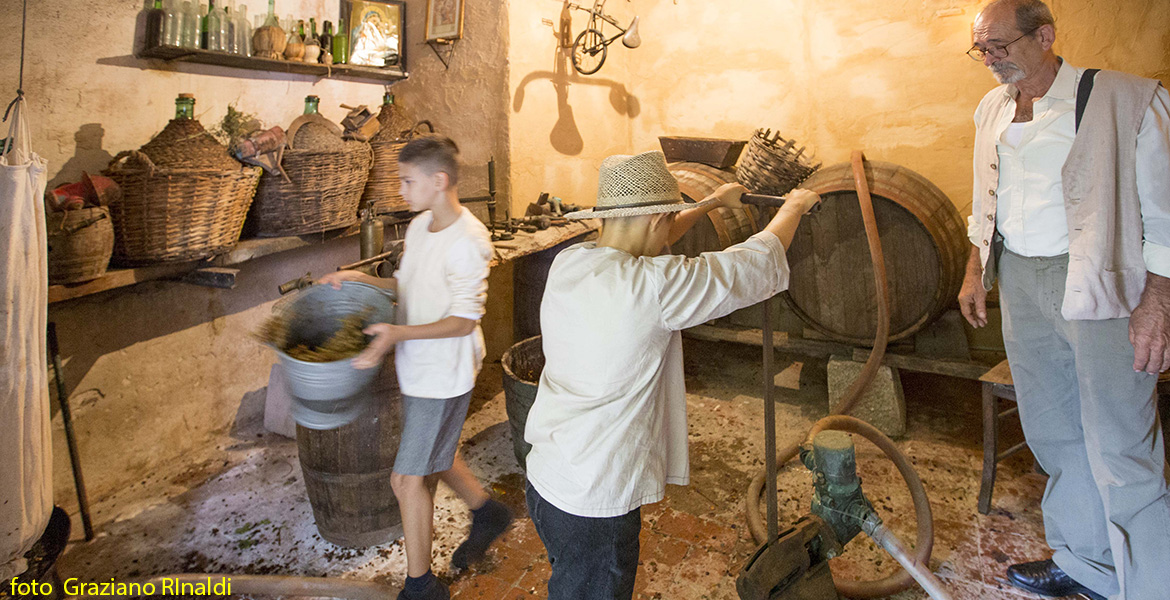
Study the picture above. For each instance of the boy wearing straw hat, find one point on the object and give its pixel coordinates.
(442, 286)
(608, 427)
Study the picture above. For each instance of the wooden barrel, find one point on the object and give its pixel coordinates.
(347, 470)
(724, 226)
(923, 239)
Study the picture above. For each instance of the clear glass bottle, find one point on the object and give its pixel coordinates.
(185, 106)
(228, 33)
(341, 44)
(188, 28)
(311, 103)
(172, 27)
(156, 19)
(243, 31)
(312, 44)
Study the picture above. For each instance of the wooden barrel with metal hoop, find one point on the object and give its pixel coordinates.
(347, 469)
(724, 226)
(923, 239)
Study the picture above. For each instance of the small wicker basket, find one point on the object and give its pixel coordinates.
(80, 244)
(773, 165)
(322, 193)
(382, 188)
(180, 214)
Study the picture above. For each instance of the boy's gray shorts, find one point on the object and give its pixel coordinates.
(430, 434)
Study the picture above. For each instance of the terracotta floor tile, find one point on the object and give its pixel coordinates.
(479, 587)
(695, 530)
(536, 575)
(667, 550)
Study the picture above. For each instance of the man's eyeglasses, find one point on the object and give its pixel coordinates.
(977, 53)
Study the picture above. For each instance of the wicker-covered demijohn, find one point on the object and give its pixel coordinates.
(183, 197)
(382, 188)
(326, 177)
(773, 165)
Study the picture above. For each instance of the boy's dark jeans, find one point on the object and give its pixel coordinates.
(591, 558)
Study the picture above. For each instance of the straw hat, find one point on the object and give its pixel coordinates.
(630, 186)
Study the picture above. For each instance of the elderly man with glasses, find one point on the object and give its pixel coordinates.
(1071, 212)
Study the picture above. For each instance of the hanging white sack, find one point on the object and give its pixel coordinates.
(26, 461)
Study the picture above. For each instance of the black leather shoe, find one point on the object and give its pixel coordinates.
(1045, 578)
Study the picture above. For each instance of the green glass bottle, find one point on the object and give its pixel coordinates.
(311, 103)
(341, 44)
(156, 19)
(185, 106)
(327, 37)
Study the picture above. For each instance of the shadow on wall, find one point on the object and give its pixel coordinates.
(88, 155)
(565, 137)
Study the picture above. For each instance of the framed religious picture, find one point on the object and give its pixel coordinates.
(377, 32)
(444, 19)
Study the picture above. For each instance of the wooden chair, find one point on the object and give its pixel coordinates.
(997, 385)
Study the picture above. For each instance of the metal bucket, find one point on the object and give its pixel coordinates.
(326, 393)
(522, 363)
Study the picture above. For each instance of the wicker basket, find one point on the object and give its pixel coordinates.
(80, 244)
(322, 193)
(168, 215)
(382, 188)
(773, 165)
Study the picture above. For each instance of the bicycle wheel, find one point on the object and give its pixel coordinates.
(589, 52)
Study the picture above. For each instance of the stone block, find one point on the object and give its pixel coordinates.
(882, 405)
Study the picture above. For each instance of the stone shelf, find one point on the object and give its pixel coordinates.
(223, 59)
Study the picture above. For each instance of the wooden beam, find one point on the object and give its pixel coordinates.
(951, 368)
(823, 349)
(116, 278)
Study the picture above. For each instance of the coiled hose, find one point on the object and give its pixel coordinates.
(925, 538)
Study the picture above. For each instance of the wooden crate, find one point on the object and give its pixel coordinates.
(717, 153)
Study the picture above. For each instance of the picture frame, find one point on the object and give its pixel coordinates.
(377, 32)
(444, 20)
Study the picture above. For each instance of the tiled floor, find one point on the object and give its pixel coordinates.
(249, 514)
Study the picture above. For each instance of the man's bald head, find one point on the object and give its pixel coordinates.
(1029, 14)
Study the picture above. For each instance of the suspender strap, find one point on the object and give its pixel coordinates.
(1083, 90)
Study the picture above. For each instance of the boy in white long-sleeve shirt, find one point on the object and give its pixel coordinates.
(608, 427)
(442, 286)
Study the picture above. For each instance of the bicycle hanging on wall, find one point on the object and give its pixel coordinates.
(592, 45)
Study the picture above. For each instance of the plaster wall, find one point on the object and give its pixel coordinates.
(887, 77)
(159, 370)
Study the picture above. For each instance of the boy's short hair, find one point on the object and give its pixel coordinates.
(433, 153)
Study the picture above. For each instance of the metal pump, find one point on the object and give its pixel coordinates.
(794, 565)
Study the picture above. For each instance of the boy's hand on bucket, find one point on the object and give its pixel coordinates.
(385, 336)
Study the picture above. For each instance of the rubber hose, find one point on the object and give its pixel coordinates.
(901, 580)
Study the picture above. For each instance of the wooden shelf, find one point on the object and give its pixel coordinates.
(223, 59)
(251, 249)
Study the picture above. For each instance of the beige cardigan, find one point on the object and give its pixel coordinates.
(1106, 271)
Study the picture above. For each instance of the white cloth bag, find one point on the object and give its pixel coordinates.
(26, 460)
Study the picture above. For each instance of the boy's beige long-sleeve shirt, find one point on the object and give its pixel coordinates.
(608, 428)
